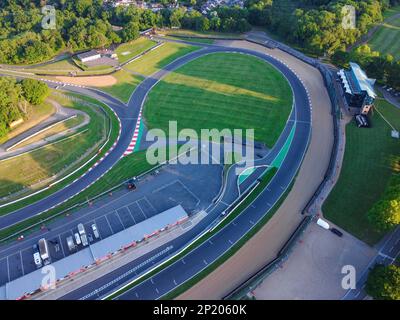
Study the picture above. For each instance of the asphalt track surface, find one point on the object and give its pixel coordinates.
(182, 270)
(201, 257)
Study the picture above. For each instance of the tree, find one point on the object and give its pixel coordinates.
(385, 214)
(176, 17)
(10, 93)
(130, 32)
(34, 91)
(341, 58)
(383, 282)
(393, 76)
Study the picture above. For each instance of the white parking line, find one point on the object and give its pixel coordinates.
(140, 208)
(119, 218)
(62, 248)
(112, 230)
(150, 204)
(130, 212)
(22, 263)
(8, 269)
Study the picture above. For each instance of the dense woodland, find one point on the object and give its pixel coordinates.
(17, 97)
(315, 25)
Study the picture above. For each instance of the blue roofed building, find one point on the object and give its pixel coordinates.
(358, 89)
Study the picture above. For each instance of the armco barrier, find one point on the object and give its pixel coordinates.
(253, 281)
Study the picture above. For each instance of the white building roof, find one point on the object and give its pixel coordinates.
(87, 256)
(365, 83)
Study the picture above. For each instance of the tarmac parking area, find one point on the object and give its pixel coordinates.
(172, 185)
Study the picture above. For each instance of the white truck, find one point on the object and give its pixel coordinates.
(82, 232)
(44, 251)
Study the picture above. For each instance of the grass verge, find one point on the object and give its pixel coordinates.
(131, 49)
(160, 57)
(112, 134)
(25, 173)
(371, 158)
(386, 39)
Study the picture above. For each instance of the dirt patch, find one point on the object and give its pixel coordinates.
(314, 269)
(95, 81)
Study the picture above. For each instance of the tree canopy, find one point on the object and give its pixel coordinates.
(14, 96)
(383, 282)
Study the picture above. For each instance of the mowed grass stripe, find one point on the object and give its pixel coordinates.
(387, 38)
(160, 57)
(222, 90)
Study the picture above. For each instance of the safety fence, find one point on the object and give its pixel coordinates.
(252, 282)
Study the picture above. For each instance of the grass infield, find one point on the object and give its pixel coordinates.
(222, 90)
(386, 39)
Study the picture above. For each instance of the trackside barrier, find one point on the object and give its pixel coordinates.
(87, 162)
(142, 54)
(253, 281)
(184, 37)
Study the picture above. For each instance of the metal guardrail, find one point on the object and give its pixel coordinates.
(254, 280)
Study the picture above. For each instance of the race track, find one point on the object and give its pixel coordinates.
(299, 124)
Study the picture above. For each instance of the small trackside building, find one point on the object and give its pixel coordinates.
(358, 89)
(89, 56)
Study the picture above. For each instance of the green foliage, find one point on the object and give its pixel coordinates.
(385, 214)
(35, 91)
(14, 97)
(383, 282)
(80, 25)
(10, 93)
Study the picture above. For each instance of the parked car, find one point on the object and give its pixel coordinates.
(361, 121)
(70, 243)
(84, 240)
(95, 231)
(78, 239)
(36, 256)
(81, 229)
(337, 232)
(37, 259)
(131, 185)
